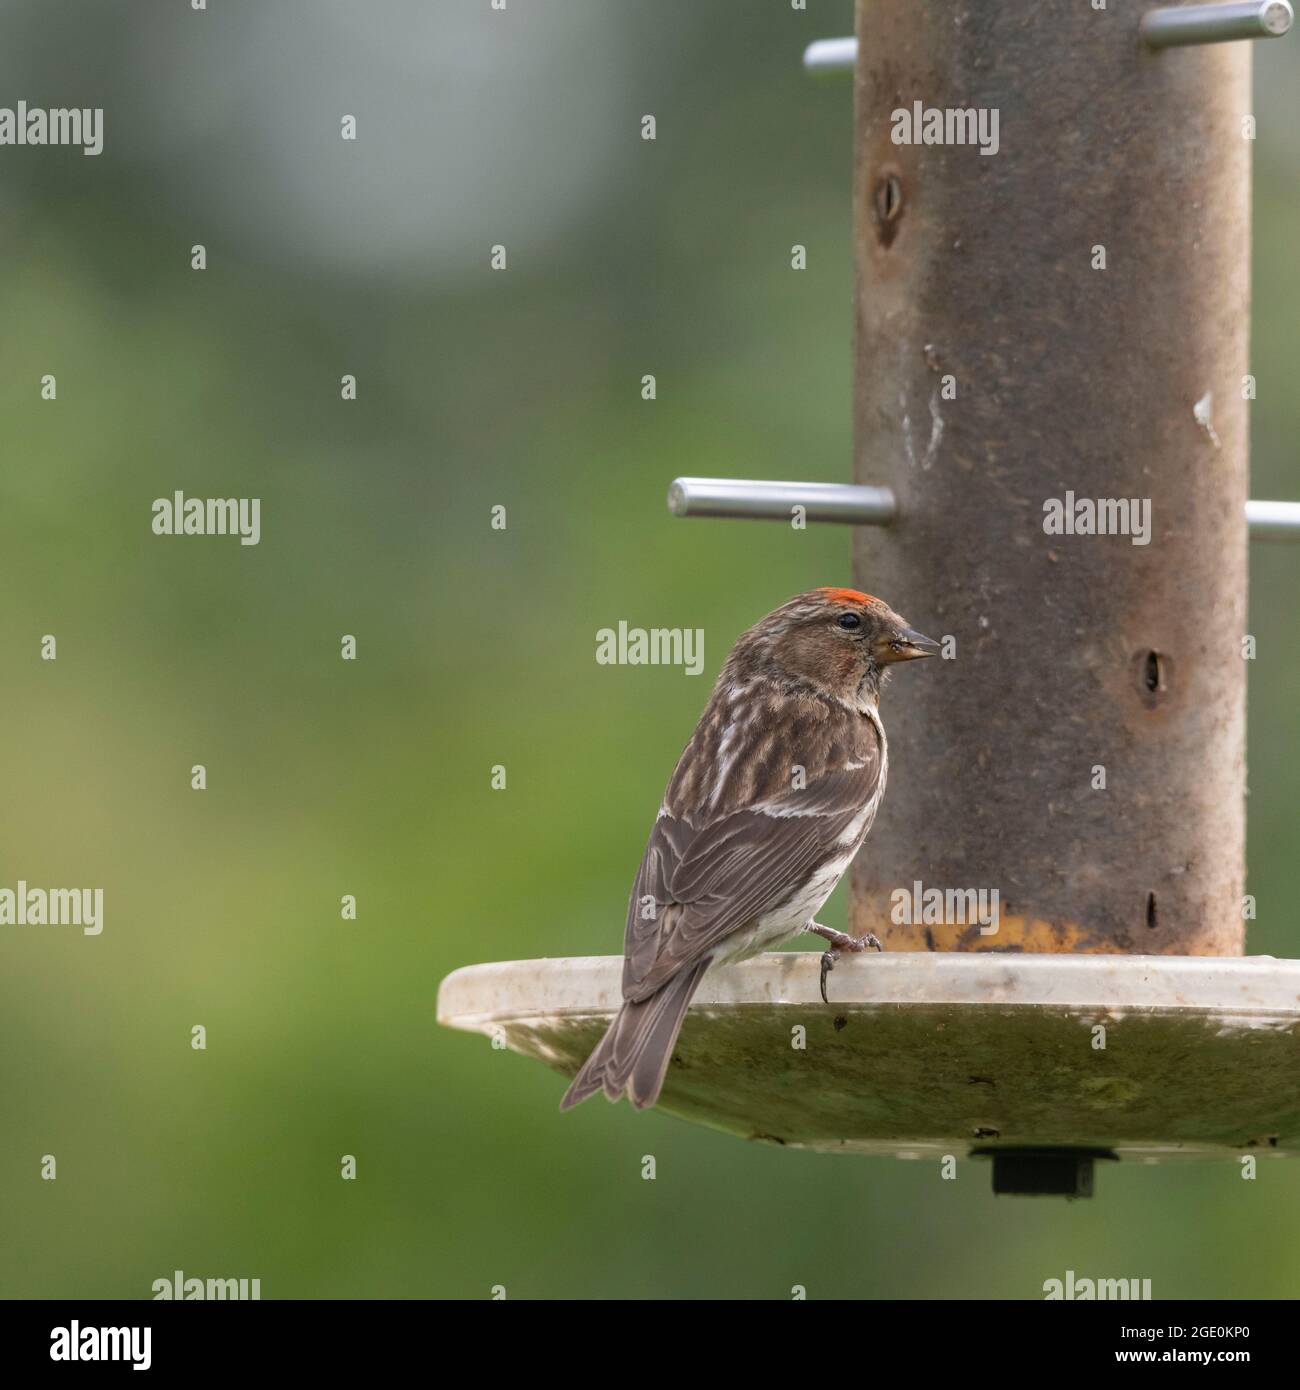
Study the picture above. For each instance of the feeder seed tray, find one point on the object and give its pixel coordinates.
(1042, 1061)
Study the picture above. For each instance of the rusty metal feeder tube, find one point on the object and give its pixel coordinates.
(1059, 321)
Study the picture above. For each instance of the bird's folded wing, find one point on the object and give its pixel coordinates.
(697, 885)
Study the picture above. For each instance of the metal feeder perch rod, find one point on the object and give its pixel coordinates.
(1168, 27)
(856, 505)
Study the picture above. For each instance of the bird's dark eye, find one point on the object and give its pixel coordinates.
(849, 620)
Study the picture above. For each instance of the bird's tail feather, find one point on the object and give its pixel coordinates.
(634, 1053)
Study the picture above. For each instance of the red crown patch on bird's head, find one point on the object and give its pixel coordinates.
(846, 596)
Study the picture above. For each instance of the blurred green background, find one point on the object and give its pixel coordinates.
(475, 647)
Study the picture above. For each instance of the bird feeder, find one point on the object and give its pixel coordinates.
(1050, 472)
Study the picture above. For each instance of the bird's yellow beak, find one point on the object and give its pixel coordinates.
(903, 644)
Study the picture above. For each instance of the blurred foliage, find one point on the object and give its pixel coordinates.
(476, 648)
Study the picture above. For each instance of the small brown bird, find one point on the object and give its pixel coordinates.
(770, 801)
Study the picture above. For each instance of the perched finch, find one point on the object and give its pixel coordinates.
(770, 801)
